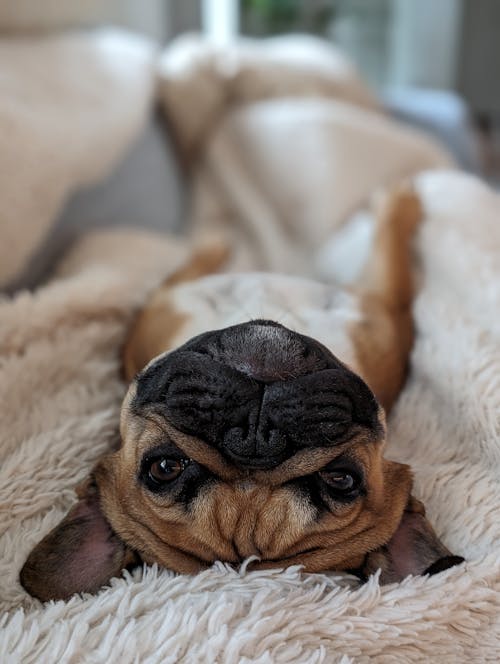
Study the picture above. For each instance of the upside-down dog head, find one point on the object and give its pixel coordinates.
(250, 440)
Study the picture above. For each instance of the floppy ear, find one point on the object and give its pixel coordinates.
(413, 549)
(80, 555)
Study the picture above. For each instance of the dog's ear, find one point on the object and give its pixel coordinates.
(81, 554)
(413, 549)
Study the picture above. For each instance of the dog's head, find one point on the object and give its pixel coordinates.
(247, 441)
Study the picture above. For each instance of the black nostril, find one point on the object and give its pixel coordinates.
(270, 442)
(255, 450)
(239, 441)
(253, 462)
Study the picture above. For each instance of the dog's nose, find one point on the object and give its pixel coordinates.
(240, 450)
(256, 443)
(314, 410)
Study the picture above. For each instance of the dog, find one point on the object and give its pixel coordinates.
(245, 438)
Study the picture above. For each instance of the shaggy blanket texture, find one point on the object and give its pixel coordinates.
(61, 388)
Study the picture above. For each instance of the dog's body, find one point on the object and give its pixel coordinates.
(242, 437)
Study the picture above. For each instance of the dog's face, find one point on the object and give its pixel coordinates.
(247, 441)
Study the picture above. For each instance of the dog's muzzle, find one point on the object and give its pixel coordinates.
(258, 392)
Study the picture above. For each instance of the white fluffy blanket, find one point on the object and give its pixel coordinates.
(60, 386)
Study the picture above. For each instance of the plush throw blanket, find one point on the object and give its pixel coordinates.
(281, 152)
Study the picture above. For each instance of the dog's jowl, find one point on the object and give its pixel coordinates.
(245, 437)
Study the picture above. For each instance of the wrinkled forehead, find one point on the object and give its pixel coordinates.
(258, 393)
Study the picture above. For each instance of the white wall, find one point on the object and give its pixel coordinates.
(159, 19)
(424, 42)
(220, 19)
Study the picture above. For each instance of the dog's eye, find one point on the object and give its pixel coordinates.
(339, 480)
(343, 482)
(167, 470)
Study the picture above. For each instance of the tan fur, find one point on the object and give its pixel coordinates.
(237, 519)
(158, 322)
(244, 516)
(384, 336)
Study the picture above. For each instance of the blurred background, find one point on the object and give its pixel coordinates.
(435, 60)
(432, 63)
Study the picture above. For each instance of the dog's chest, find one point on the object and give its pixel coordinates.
(323, 312)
